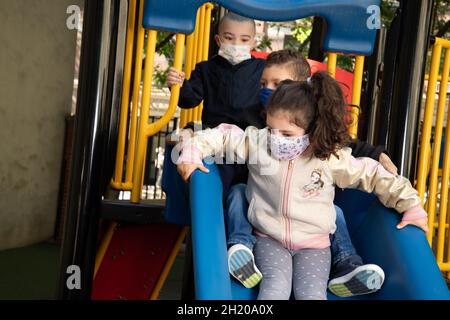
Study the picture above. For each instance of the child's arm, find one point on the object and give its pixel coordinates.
(370, 176)
(224, 139)
(191, 91)
(378, 153)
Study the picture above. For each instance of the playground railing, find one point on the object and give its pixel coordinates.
(134, 128)
(433, 170)
(356, 93)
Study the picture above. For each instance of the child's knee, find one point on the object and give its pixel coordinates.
(237, 193)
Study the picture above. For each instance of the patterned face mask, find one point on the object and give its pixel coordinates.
(287, 148)
(234, 53)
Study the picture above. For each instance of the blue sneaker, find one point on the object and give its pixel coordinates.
(354, 280)
(241, 264)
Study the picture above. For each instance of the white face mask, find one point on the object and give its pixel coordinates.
(234, 53)
(287, 148)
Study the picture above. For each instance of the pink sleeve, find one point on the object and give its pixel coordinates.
(190, 155)
(414, 213)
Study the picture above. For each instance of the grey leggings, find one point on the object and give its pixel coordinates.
(305, 270)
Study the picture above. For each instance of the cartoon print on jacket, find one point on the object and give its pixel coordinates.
(313, 189)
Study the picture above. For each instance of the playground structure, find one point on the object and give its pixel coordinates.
(116, 127)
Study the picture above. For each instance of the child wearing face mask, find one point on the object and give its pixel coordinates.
(349, 275)
(301, 155)
(228, 84)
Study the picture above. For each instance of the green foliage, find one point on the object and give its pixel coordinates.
(441, 26)
(301, 34)
(388, 9)
(302, 29)
(165, 45)
(264, 43)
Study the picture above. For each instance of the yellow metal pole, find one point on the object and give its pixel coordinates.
(187, 71)
(207, 33)
(443, 42)
(104, 246)
(118, 172)
(331, 65)
(190, 112)
(200, 48)
(135, 101)
(134, 107)
(144, 114)
(356, 95)
(433, 182)
(444, 266)
(446, 166)
(175, 92)
(424, 152)
(170, 260)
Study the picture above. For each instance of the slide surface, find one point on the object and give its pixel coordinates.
(405, 256)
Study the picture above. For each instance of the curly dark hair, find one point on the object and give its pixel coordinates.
(317, 106)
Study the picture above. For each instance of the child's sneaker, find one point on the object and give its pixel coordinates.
(241, 265)
(357, 280)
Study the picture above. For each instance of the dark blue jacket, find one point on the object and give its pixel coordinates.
(230, 93)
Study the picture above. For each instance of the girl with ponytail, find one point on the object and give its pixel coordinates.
(294, 164)
(318, 106)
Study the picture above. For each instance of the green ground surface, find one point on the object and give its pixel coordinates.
(29, 272)
(32, 273)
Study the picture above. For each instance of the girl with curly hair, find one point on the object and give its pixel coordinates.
(302, 149)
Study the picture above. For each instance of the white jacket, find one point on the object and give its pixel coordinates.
(292, 201)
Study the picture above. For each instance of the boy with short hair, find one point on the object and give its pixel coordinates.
(228, 84)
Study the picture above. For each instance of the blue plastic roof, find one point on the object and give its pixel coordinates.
(350, 23)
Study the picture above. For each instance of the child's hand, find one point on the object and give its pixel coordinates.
(174, 77)
(422, 223)
(186, 169)
(387, 163)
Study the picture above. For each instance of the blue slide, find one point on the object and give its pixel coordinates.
(410, 268)
(405, 256)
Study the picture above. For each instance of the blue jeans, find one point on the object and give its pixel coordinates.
(341, 245)
(239, 230)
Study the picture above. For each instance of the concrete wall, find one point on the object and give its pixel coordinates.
(37, 53)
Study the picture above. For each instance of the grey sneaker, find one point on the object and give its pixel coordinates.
(363, 279)
(241, 264)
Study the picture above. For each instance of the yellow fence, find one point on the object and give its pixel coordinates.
(432, 174)
(133, 124)
(357, 85)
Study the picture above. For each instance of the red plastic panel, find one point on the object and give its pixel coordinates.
(133, 262)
